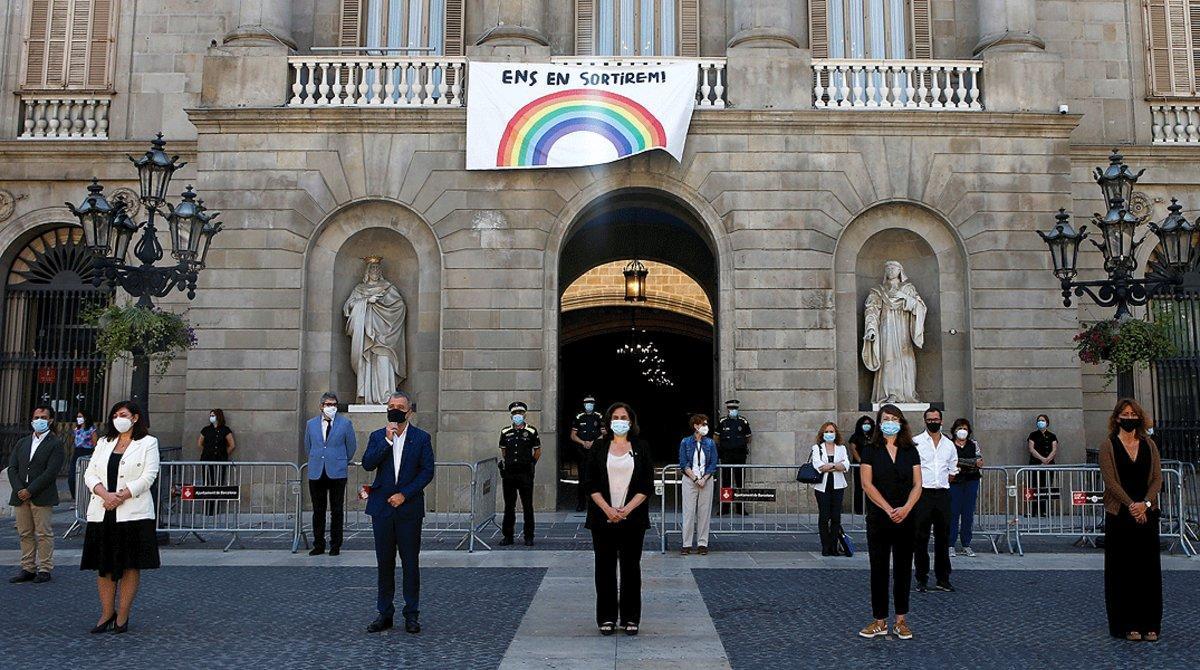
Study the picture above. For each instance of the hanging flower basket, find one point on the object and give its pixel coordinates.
(124, 330)
(1124, 345)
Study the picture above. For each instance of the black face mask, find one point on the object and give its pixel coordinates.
(397, 415)
(1129, 425)
(933, 426)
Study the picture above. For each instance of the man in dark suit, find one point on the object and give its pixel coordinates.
(403, 456)
(33, 472)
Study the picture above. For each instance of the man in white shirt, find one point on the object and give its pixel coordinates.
(939, 464)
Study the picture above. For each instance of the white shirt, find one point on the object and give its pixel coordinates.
(698, 463)
(937, 463)
(620, 474)
(398, 450)
(37, 441)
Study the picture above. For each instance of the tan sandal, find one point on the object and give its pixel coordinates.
(1150, 637)
(1133, 636)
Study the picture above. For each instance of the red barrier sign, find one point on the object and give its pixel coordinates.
(1087, 498)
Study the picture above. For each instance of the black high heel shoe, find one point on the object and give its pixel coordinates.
(106, 626)
(120, 628)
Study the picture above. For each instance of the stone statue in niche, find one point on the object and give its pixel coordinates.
(895, 327)
(375, 314)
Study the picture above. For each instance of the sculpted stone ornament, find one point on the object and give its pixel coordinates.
(895, 327)
(8, 205)
(375, 314)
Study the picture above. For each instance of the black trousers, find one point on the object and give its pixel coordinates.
(581, 458)
(518, 485)
(933, 513)
(1132, 575)
(394, 536)
(618, 548)
(327, 494)
(829, 523)
(889, 542)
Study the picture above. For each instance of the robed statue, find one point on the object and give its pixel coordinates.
(895, 327)
(375, 314)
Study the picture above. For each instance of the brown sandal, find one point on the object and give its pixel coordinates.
(1133, 636)
(1150, 637)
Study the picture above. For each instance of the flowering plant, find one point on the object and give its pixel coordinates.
(129, 329)
(1124, 345)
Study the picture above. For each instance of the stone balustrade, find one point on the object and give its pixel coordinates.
(710, 88)
(1175, 123)
(376, 81)
(64, 116)
(840, 83)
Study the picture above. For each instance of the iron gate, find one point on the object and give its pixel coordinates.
(1177, 380)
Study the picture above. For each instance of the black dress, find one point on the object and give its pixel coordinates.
(1132, 565)
(109, 547)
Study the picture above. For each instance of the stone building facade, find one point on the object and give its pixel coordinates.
(794, 188)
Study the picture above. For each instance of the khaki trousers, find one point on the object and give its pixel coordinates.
(697, 511)
(37, 537)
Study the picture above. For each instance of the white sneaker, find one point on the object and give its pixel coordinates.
(968, 552)
(953, 554)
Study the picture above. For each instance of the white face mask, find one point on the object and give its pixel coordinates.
(829, 437)
(961, 433)
(212, 420)
(620, 426)
(329, 411)
(703, 430)
(122, 424)
(79, 421)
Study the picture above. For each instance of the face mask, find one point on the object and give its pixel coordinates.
(329, 411)
(40, 425)
(619, 426)
(1129, 425)
(933, 426)
(589, 407)
(122, 424)
(703, 430)
(79, 421)
(866, 428)
(829, 437)
(1041, 425)
(397, 415)
(212, 420)
(890, 428)
(518, 419)
(1149, 431)
(961, 433)
(733, 412)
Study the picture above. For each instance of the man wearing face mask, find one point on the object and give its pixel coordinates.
(520, 449)
(939, 465)
(330, 444)
(587, 427)
(733, 445)
(403, 456)
(33, 472)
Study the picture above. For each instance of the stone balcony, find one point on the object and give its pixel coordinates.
(64, 115)
(1175, 122)
(843, 83)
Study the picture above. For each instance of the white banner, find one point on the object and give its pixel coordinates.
(550, 115)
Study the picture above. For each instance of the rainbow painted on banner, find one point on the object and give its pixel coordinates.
(534, 129)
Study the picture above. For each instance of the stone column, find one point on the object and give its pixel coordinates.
(250, 68)
(769, 44)
(262, 22)
(512, 30)
(1018, 74)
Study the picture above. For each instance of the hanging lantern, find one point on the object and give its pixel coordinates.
(635, 281)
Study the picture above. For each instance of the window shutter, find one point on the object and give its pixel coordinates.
(1194, 36)
(689, 28)
(36, 44)
(100, 48)
(818, 28)
(585, 27)
(454, 28)
(1170, 27)
(78, 42)
(922, 30)
(69, 45)
(350, 30)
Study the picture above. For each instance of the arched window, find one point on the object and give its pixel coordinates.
(48, 353)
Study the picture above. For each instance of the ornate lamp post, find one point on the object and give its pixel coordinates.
(108, 231)
(1174, 262)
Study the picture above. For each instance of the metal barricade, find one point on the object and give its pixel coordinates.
(83, 497)
(1068, 501)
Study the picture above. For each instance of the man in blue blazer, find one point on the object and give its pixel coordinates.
(330, 444)
(403, 456)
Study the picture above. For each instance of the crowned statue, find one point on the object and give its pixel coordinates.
(895, 327)
(375, 314)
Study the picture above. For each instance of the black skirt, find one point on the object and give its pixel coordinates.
(110, 547)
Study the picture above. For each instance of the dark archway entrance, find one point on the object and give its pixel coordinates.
(672, 370)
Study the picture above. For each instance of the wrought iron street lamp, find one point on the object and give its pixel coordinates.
(109, 230)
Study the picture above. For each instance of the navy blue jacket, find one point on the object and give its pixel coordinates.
(416, 471)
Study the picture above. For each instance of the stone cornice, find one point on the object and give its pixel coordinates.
(1134, 153)
(704, 122)
(54, 150)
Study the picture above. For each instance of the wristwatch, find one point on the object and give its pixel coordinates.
(1147, 504)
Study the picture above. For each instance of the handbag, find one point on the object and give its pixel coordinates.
(844, 541)
(807, 474)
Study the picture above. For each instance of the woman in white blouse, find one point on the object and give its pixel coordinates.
(120, 540)
(830, 458)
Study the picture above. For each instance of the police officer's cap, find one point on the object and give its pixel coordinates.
(589, 398)
(732, 404)
(517, 407)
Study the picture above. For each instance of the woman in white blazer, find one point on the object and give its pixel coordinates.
(120, 540)
(830, 458)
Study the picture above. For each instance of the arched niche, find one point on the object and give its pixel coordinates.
(935, 262)
(334, 265)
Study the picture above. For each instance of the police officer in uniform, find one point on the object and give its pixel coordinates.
(733, 442)
(520, 448)
(587, 427)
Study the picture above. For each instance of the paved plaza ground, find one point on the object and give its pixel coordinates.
(518, 608)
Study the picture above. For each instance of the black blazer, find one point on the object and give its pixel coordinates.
(39, 476)
(597, 482)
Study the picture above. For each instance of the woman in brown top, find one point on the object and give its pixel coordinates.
(1132, 475)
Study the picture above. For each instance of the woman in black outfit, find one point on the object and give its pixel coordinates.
(216, 445)
(1132, 473)
(619, 485)
(891, 478)
(864, 429)
(1042, 446)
